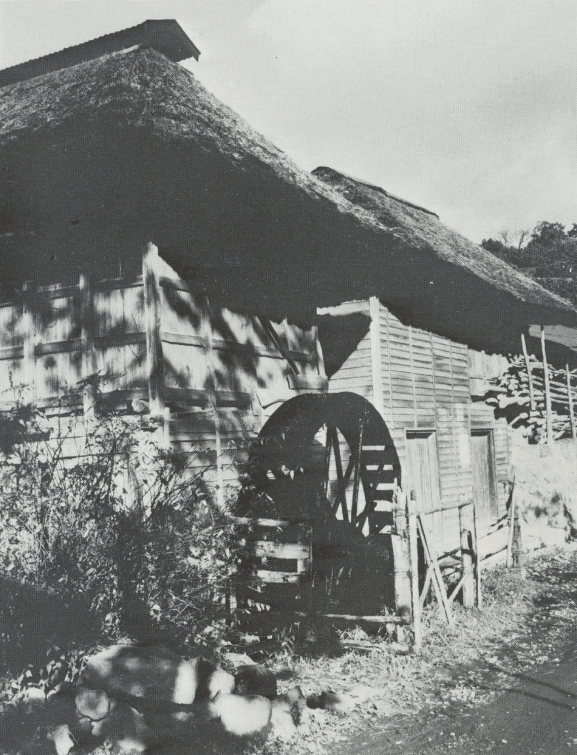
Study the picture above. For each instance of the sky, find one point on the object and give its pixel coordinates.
(467, 107)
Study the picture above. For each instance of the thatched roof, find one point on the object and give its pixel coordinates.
(101, 156)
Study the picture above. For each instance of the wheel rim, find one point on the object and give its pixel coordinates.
(330, 460)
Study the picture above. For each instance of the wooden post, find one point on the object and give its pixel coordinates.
(477, 558)
(414, 559)
(376, 353)
(548, 408)
(517, 556)
(509, 561)
(467, 575)
(357, 474)
(28, 343)
(529, 374)
(318, 351)
(402, 566)
(154, 358)
(87, 327)
(570, 397)
(438, 584)
(211, 385)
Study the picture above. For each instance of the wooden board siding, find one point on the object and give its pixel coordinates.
(11, 339)
(120, 343)
(223, 373)
(482, 367)
(426, 392)
(355, 374)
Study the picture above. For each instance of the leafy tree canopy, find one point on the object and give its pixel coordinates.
(548, 254)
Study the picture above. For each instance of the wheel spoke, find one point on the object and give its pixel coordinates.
(357, 476)
(341, 479)
(328, 449)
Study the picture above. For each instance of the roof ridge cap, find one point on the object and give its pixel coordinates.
(319, 170)
(166, 36)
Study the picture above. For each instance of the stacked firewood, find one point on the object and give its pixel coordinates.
(519, 395)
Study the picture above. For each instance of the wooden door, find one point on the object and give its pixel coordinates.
(483, 470)
(423, 469)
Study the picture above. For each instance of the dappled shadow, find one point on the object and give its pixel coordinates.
(34, 621)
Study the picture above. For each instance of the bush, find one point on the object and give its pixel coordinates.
(124, 523)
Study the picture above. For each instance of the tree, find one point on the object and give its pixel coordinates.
(548, 253)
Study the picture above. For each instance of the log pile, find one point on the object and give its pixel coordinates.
(519, 394)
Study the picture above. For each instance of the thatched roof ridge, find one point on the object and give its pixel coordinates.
(132, 144)
(425, 229)
(164, 35)
(139, 88)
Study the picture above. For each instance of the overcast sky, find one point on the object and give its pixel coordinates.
(468, 107)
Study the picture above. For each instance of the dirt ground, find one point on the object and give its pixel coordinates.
(502, 680)
(518, 698)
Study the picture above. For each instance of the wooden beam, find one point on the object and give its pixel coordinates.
(280, 577)
(548, 408)
(401, 557)
(341, 480)
(290, 551)
(438, 583)
(570, 398)
(154, 357)
(376, 353)
(211, 384)
(319, 352)
(283, 351)
(357, 473)
(467, 582)
(87, 334)
(414, 558)
(477, 558)
(509, 560)
(529, 375)
(28, 343)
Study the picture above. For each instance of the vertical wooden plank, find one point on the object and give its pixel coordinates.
(211, 387)
(87, 340)
(431, 558)
(512, 513)
(414, 559)
(376, 361)
(466, 561)
(400, 545)
(28, 342)
(570, 398)
(389, 372)
(477, 558)
(413, 387)
(529, 374)
(548, 408)
(318, 351)
(154, 359)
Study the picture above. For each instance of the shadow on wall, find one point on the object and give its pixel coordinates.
(546, 489)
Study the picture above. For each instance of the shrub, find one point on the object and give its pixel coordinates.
(108, 514)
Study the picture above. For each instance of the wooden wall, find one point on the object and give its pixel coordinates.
(220, 373)
(225, 373)
(422, 384)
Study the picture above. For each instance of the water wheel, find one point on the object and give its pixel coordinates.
(329, 461)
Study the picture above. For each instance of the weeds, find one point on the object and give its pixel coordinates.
(102, 529)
